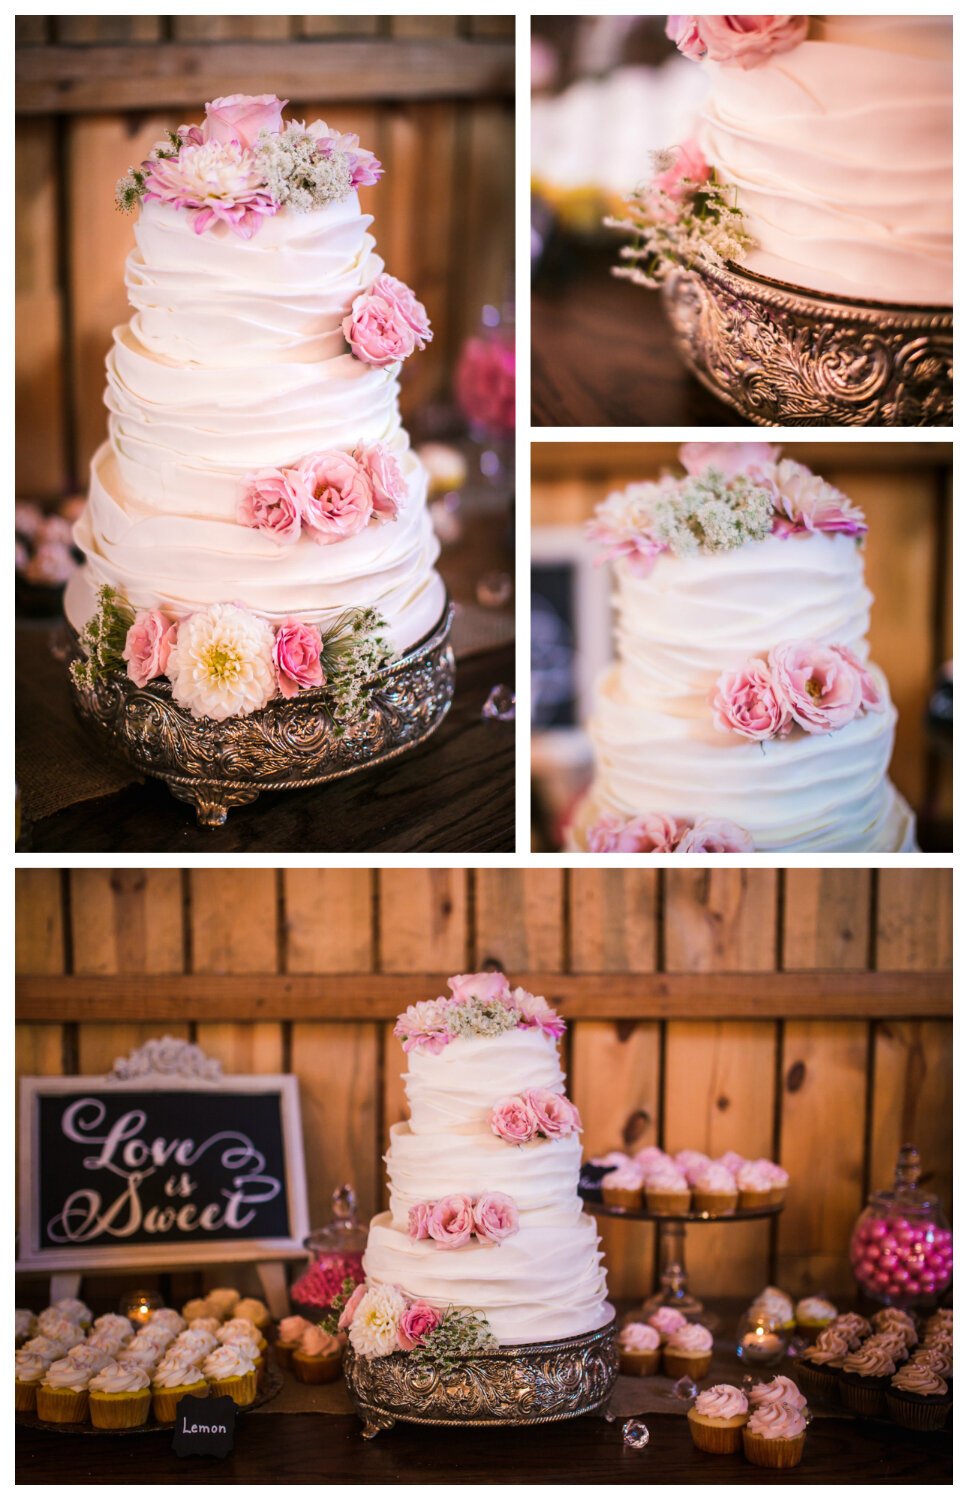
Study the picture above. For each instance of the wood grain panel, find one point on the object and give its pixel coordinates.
(612, 922)
(720, 920)
(483, 225)
(914, 919)
(100, 1044)
(826, 919)
(242, 1048)
(38, 1051)
(719, 1096)
(520, 920)
(913, 1101)
(41, 470)
(233, 921)
(39, 922)
(127, 921)
(329, 924)
(822, 1104)
(337, 1069)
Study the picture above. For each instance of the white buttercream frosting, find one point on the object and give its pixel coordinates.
(841, 150)
(455, 1089)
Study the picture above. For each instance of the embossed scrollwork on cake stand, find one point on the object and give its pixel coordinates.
(515, 1386)
(779, 354)
(288, 744)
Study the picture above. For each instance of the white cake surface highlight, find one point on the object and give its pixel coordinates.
(841, 151)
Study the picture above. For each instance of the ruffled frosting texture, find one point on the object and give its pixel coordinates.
(722, 1402)
(235, 361)
(841, 151)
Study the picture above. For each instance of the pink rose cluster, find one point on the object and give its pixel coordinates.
(538, 1114)
(430, 1023)
(821, 688)
(660, 833)
(417, 1320)
(329, 495)
(387, 323)
(451, 1221)
(484, 383)
(296, 652)
(739, 41)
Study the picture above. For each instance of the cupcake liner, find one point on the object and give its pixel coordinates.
(622, 1197)
(918, 1413)
(750, 1199)
(713, 1203)
(717, 1437)
(164, 1402)
(242, 1388)
(25, 1395)
(316, 1369)
(772, 1452)
(676, 1362)
(822, 1381)
(667, 1203)
(863, 1397)
(284, 1353)
(777, 1194)
(61, 1405)
(638, 1361)
(117, 1410)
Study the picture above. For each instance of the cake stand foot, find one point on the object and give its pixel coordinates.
(375, 1422)
(212, 803)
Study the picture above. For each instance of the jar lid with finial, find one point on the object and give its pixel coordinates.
(336, 1252)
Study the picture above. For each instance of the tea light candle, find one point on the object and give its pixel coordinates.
(137, 1307)
(761, 1346)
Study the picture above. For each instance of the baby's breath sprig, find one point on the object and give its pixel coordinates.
(355, 655)
(301, 171)
(131, 188)
(705, 226)
(712, 512)
(329, 1322)
(459, 1333)
(103, 638)
(481, 1018)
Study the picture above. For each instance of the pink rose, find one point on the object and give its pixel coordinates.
(490, 986)
(338, 500)
(495, 1217)
(377, 331)
(451, 1221)
(555, 1115)
(415, 1324)
(240, 117)
(484, 383)
(870, 694)
(148, 645)
(413, 313)
(418, 1221)
(273, 502)
(689, 166)
(349, 1311)
(715, 836)
(651, 833)
(819, 688)
(729, 458)
(740, 40)
(381, 468)
(296, 654)
(745, 702)
(513, 1120)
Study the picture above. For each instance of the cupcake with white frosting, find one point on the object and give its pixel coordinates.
(29, 1371)
(230, 1372)
(62, 1394)
(119, 1397)
(177, 1375)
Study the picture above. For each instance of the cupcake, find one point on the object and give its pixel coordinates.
(919, 1398)
(250, 1350)
(29, 1371)
(755, 1185)
(638, 1349)
(62, 1394)
(87, 1358)
(812, 1315)
(933, 1359)
(780, 1391)
(318, 1357)
(895, 1320)
(205, 1325)
(290, 1332)
(255, 1311)
(713, 1190)
(120, 1396)
(937, 1339)
(665, 1321)
(731, 1160)
(196, 1307)
(718, 1418)
(74, 1310)
(122, 1327)
(53, 1325)
(649, 1157)
(688, 1351)
(691, 1163)
(157, 1339)
(222, 1302)
(175, 1376)
(943, 1318)
(779, 1179)
(230, 1373)
(167, 1317)
(240, 1328)
(819, 1366)
(107, 1341)
(195, 1342)
(25, 1325)
(666, 1190)
(853, 1327)
(140, 1359)
(775, 1308)
(773, 1437)
(622, 1188)
(44, 1349)
(865, 1377)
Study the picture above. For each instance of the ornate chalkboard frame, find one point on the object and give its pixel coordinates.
(162, 1065)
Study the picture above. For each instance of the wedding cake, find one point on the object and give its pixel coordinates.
(485, 1243)
(834, 137)
(256, 523)
(742, 713)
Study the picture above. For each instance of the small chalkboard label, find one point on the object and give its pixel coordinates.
(204, 1425)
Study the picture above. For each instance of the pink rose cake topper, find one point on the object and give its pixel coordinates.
(478, 1005)
(738, 41)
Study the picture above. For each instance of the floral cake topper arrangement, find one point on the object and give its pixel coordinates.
(224, 661)
(661, 833)
(736, 41)
(478, 1005)
(731, 494)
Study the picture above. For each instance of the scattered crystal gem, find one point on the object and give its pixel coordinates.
(608, 1414)
(635, 1434)
(796, 1346)
(494, 589)
(807, 1415)
(499, 704)
(685, 1388)
(747, 1383)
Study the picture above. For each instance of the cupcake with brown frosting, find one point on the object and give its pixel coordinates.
(918, 1397)
(853, 1326)
(819, 1366)
(865, 1377)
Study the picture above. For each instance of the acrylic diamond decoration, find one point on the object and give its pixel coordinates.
(635, 1434)
(685, 1388)
(499, 704)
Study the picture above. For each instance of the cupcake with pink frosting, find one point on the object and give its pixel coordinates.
(289, 1333)
(650, 1157)
(666, 1190)
(717, 1420)
(755, 1185)
(638, 1349)
(623, 1187)
(665, 1321)
(690, 1163)
(774, 1436)
(318, 1356)
(714, 1189)
(688, 1351)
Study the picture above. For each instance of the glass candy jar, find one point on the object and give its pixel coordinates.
(901, 1248)
(336, 1256)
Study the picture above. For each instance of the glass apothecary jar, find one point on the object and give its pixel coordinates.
(901, 1249)
(336, 1253)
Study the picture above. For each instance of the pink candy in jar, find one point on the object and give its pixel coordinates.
(896, 1260)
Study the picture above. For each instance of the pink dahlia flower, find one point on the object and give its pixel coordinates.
(535, 1011)
(556, 1116)
(415, 1324)
(296, 654)
(239, 118)
(389, 487)
(513, 1120)
(148, 645)
(651, 833)
(715, 836)
(484, 383)
(745, 702)
(273, 502)
(495, 1217)
(451, 1221)
(817, 685)
(743, 41)
(338, 500)
(804, 502)
(216, 183)
(729, 458)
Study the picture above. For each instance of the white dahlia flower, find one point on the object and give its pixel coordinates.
(373, 1331)
(221, 663)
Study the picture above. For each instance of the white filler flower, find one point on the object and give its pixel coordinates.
(221, 663)
(373, 1331)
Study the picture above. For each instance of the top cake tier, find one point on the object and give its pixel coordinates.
(456, 1089)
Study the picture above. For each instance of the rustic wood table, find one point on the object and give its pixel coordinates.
(602, 353)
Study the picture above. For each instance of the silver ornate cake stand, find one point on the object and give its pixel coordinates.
(288, 744)
(780, 354)
(516, 1386)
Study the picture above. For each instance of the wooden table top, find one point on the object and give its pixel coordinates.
(602, 353)
(329, 1449)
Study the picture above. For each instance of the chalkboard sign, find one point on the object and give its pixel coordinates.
(161, 1168)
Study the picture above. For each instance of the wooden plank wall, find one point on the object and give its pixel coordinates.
(832, 1096)
(905, 492)
(431, 95)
